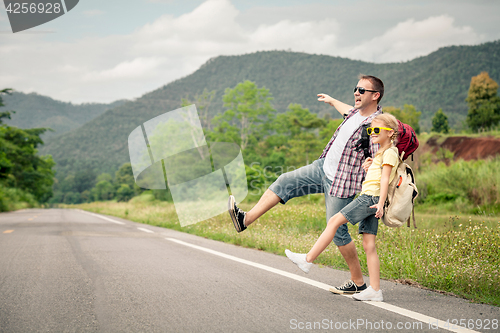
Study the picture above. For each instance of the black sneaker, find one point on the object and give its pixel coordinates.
(237, 215)
(349, 287)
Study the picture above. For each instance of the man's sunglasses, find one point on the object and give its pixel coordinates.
(376, 130)
(362, 90)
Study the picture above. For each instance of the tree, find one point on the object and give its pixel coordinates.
(297, 132)
(67, 184)
(249, 108)
(326, 133)
(5, 163)
(103, 190)
(5, 114)
(124, 193)
(84, 180)
(20, 166)
(72, 198)
(484, 104)
(202, 102)
(192, 120)
(440, 122)
(408, 115)
(104, 177)
(124, 175)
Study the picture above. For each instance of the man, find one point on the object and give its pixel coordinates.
(338, 173)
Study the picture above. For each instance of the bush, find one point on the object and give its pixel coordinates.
(146, 196)
(474, 182)
(14, 199)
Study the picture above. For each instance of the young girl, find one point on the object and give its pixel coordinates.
(366, 209)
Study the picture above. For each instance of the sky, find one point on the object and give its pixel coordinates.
(102, 51)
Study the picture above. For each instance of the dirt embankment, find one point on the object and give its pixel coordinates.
(466, 148)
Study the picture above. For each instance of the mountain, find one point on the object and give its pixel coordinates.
(439, 80)
(33, 110)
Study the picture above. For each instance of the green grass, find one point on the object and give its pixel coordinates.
(454, 253)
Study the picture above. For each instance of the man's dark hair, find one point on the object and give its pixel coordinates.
(377, 84)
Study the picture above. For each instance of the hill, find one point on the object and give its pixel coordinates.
(463, 147)
(439, 80)
(33, 110)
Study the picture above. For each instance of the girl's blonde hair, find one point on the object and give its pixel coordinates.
(391, 122)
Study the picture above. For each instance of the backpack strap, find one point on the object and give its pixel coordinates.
(412, 216)
(413, 200)
(400, 159)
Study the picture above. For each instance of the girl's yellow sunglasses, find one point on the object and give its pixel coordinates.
(376, 130)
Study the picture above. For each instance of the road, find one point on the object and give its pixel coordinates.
(73, 271)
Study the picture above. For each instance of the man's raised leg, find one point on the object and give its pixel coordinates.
(305, 180)
(268, 200)
(242, 219)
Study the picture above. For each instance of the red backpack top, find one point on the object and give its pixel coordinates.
(407, 139)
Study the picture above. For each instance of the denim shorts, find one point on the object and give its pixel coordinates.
(311, 179)
(359, 211)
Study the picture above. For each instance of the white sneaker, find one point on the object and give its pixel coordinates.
(299, 259)
(369, 295)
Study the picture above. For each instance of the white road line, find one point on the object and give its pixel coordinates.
(254, 264)
(102, 217)
(324, 286)
(146, 230)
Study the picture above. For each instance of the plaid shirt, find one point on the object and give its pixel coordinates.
(350, 174)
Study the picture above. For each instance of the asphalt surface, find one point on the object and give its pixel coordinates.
(71, 271)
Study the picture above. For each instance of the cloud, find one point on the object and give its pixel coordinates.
(411, 39)
(312, 37)
(208, 28)
(94, 12)
(212, 29)
(104, 69)
(136, 68)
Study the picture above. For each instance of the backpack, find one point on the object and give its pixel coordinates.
(407, 141)
(401, 194)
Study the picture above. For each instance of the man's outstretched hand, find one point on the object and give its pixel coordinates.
(325, 98)
(340, 106)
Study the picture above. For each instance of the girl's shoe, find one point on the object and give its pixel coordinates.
(299, 259)
(369, 295)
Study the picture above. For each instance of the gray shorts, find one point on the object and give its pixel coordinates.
(359, 211)
(311, 179)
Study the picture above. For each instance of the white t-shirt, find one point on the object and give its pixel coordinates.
(332, 158)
